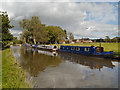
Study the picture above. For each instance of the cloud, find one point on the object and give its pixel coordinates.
(61, 1)
(15, 32)
(82, 19)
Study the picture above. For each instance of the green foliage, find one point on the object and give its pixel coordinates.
(16, 41)
(6, 35)
(100, 40)
(116, 39)
(26, 34)
(55, 34)
(25, 24)
(65, 34)
(108, 39)
(40, 33)
(67, 41)
(33, 30)
(71, 37)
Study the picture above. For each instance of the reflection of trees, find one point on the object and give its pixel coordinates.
(92, 62)
(34, 62)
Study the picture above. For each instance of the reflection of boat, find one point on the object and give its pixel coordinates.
(45, 52)
(34, 49)
(92, 62)
(27, 45)
(48, 53)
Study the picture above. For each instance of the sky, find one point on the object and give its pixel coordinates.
(84, 18)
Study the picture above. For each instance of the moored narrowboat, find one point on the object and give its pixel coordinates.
(52, 48)
(34, 46)
(86, 50)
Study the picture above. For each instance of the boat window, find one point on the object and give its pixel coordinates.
(86, 49)
(98, 49)
(81, 49)
(67, 48)
(55, 46)
(77, 49)
(72, 48)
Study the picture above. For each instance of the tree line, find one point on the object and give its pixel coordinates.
(108, 39)
(35, 32)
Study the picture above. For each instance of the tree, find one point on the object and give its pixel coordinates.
(59, 34)
(65, 34)
(6, 35)
(35, 23)
(55, 34)
(100, 40)
(108, 39)
(115, 39)
(34, 28)
(40, 33)
(25, 25)
(26, 36)
(16, 41)
(71, 37)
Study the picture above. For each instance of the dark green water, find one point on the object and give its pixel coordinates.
(65, 70)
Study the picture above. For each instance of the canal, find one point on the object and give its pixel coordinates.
(65, 70)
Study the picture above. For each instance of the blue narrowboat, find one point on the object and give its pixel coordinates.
(85, 50)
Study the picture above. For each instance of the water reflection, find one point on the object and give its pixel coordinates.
(48, 53)
(35, 62)
(91, 62)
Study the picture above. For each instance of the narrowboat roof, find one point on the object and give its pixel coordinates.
(78, 46)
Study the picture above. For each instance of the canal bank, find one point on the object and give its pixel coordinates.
(13, 76)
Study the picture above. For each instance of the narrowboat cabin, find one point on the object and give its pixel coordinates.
(85, 50)
(47, 53)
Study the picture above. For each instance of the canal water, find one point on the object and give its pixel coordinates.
(65, 70)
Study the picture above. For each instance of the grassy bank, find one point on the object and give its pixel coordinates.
(12, 75)
(0, 69)
(107, 46)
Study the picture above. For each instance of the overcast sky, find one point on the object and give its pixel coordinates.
(83, 19)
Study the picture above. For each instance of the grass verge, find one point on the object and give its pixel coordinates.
(13, 76)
